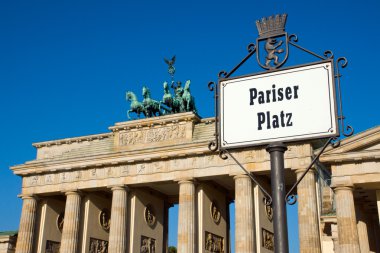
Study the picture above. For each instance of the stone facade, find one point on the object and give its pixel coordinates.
(8, 241)
(353, 221)
(111, 192)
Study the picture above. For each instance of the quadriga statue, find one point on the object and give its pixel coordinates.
(182, 101)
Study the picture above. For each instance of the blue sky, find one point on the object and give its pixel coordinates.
(65, 65)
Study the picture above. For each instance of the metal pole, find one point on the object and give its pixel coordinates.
(276, 151)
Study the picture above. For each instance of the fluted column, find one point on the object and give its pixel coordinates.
(118, 227)
(371, 232)
(334, 237)
(244, 215)
(186, 217)
(70, 231)
(308, 221)
(27, 223)
(362, 229)
(345, 214)
(376, 231)
(378, 206)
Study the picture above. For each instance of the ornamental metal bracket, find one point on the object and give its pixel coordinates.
(272, 52)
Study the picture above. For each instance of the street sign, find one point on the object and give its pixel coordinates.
(284, 105)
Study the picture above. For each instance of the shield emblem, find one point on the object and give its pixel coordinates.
(272, 52)
(272, 44)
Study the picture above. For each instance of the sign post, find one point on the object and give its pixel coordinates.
(276, 151)
(278, 106)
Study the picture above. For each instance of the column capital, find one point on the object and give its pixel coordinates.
(188, 180)
(28, 196)
(240, 176)
(343, 188)
(119, 187)
(302, 170)
(73, 192)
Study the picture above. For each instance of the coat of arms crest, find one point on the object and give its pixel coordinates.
(273, 40)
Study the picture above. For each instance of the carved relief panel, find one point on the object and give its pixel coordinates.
(268, 239)
(214, 243)
(152, 135)
(52, 247)
(60, 221)
(148, 245)
(105, 219)
(149, 215)
(215, 212)
(98, 246)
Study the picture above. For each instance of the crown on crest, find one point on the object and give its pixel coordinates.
(271, 26)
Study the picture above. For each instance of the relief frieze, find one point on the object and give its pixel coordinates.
(52, 246)
(63, 177)
(214, 243)
(267, 239)
(98, 245)
(148, 245)
(152, 135)
(49, 179)
(132, 169)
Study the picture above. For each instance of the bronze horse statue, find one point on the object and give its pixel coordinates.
(188, 99)
(136, 106)
(167, 99)
(152, 107)
(182, 101)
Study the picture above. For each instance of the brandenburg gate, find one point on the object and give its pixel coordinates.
(111, 192)
(114, 190)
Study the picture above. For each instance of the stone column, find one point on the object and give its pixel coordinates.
(118, 227)
(27, 225)
(186, 217)
(376, 231)
(378, 205)
(345, 214)
(371, 232)
(70, 231)
(308, 220)
(334, 237)
(362, 229)
(244, 215)
(166, 227)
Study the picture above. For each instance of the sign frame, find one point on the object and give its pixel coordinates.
(292, 138)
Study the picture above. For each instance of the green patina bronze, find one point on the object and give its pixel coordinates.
(180, 101)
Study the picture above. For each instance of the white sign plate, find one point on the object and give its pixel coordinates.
(284, 105)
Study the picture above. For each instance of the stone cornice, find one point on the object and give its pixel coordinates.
(175, 118)
(356, 142)
(300, 153)
(42, 166)
(351, 157)
(72, 140)
(150, 122)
